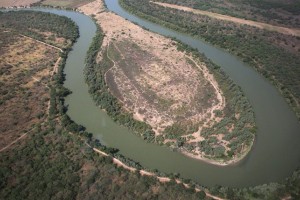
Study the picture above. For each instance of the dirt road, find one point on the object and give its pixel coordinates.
(283, 30)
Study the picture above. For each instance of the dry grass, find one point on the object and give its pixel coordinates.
(159, 85)
(154, 81)
(10, 3)
(25, 67)
(66, 3)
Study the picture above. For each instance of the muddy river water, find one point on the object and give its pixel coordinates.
(274, 156)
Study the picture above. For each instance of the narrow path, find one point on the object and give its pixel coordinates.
(261, 25)
(114, 66)
(146, 173)
(210, 78)
(55, 69)
(16, 140)
(43, 43)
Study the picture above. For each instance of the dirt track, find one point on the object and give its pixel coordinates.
(120, 34)
(283, 30)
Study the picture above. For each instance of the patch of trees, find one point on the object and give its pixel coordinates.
(243, 126)
(30, 21)
(282, 12)
(261, 49)
(94, 76)
(54, 164)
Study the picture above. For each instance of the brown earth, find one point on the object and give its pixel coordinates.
(154, 81)
(65, 3)
(18, 3)
(25, 66)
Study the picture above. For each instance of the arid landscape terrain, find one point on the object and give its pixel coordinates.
(170, 90)
(17, 3)
(280, 29)
(25, 73)
(65, 3)
(142, 88)
(27, 64)
(155, 83)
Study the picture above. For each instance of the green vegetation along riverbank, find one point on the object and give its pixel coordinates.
(274, 55)
(288, 188)
(236, 124)
(53, 161)
(277, 12)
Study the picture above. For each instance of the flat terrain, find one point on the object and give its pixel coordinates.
(273, 54)
(10, 3)
(158, 85)
(65, 3)
(283, 30)
(51, 161)
(172, 91)
(25, 69)
(276, 12)
(28, 58)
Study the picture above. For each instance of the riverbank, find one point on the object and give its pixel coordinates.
(60, 145)
(249, 43)
(165, 50)
(283, 30)
(83, 110)
(160, 178)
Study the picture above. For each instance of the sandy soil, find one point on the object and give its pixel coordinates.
(283, 30)
(117, 29)
(18, 3)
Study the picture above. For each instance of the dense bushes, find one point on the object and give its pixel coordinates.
(28, 22)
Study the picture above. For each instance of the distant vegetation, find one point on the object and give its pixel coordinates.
(70, 4)
(277, 12)
(274, 55)
(39, 27)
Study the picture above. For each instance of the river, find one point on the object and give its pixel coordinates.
(274, 156)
